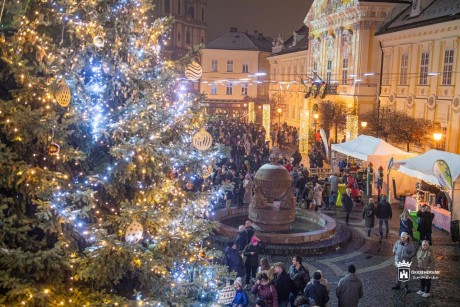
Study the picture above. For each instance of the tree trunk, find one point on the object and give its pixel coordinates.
(335, 132)
(407, 146)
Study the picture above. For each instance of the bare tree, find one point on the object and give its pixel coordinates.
(409, 130)
(378, 122)
(333, 115)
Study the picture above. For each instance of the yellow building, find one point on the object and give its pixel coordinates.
(288, 67)
(344, 53)
(189, 28)
(235, 73)
(421, 65)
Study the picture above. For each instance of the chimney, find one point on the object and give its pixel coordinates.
(233, 29)
(255, 33)
(261, 36)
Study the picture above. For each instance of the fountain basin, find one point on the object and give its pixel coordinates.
(316, 226)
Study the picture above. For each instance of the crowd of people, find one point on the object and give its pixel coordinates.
(274, 284)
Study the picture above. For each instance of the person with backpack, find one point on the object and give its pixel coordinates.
(369, 216)
(233, 260)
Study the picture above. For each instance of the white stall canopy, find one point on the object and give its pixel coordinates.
(379, 152)
(421, 167)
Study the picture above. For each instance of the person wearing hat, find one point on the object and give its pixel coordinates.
(265, 290)
(349, 289)
(252, 251)
(233, 259)
(241, 298)
(403, 250)
(316, 292)
(283, 284)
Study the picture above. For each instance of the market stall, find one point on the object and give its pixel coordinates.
(378, 152)
(421, 167)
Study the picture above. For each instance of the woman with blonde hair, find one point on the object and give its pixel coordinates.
(406, 224)
(425, 262)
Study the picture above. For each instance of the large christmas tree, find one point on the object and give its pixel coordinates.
(95, 150)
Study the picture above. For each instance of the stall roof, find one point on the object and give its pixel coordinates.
(421, 167)
(365, 146)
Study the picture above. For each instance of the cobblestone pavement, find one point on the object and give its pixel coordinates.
(375, 266)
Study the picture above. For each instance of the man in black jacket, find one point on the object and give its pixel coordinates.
(425, 224)
(283, 284)
(384, 213)
(317, 291)
(299, 276)
(347, 204)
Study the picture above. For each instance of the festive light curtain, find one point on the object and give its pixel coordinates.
(303, 132)
(251, 112)
(352, 127)
(266, 121)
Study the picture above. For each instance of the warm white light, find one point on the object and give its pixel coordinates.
(315, 116)
(364, 124)
(437, 136)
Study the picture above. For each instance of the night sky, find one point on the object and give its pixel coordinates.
(267, 16)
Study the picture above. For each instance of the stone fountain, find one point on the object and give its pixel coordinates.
(275, 217)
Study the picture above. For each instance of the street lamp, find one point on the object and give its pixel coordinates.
(363, 125)
(437, 137)
(279, 117)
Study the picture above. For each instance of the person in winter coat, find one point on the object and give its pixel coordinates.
(241, 240)
(297, 157)
(405, 224)
(403, 250)
(383, 213)
(299, 276)
(369, 216)
(425, 262)
(265, 290)
(247, 185)
(241, 298)
(347, 204)
(283, 284)
(349, 289)
(425, 224)
(252, 251)
(265, 267)
(318, 195)
(316, 291)
(233, 260)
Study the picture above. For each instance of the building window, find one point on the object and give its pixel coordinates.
(329, 72)
(202, 13)
(187, 37)
(245, 67)
(404, 69)
(214, 65)
(293, 112)
(229, 88)
(315, 66)
(244, 89)
(178, 36)
(167, 7)
(345, 71)
(213, 89)
(447, 68)
(230, 66)
(179, 7)
(424, 68)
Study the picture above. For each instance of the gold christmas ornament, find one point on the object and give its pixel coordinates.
(193, 71)
(98, 41)
(62, 94)
(207, 171)
(202, 254)
(134, 232)
(202, 140)
(53, 149)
